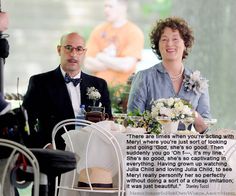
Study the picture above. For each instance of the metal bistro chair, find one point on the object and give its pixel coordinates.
(17, 149)
(104, 133)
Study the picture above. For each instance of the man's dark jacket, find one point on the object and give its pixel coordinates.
(47, 102)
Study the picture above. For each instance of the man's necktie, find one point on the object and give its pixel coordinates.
(75, 81)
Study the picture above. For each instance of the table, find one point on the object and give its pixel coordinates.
(100, 153)
(102, 156)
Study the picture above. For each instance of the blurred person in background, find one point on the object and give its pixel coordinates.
(115, 46)
(4, 21)
(5, 107)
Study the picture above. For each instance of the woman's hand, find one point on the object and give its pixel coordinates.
(199, 123)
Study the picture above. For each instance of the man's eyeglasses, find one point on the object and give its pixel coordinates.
(78, 49)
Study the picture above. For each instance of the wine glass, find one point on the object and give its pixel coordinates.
(164, 120)
(187, 121)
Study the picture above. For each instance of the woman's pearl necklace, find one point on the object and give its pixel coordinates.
(177, 77)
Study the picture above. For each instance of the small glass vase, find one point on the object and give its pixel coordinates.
(94, 102)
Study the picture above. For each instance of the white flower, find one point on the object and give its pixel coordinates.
(170, 101)
(195, 82)
(93, 93)
(195, 76)
(172, 108)
(165, 111)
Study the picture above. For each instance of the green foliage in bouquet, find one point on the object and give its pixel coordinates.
(144, 120)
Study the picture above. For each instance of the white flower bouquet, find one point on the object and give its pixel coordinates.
(93, 94)
(171, 109)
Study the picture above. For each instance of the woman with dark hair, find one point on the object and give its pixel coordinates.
(171, 40)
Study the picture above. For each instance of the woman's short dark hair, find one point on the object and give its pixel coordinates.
(174, 23)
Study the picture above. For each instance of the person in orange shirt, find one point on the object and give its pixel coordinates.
(115, 46)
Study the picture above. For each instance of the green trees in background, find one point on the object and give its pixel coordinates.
(34, 34)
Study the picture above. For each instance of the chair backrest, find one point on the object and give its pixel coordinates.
(17, 149)
(94, 127)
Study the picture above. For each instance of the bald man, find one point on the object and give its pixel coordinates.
(51, 98)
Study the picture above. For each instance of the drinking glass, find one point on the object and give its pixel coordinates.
(187, 121)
